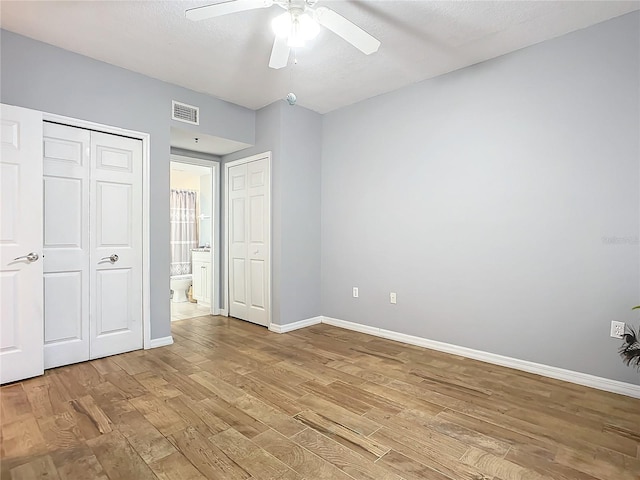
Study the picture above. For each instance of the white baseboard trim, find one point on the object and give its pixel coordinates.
(289, 327)
(223, 312)
(579, 378)
(161, 342)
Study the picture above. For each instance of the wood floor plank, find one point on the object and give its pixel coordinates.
(339, 398)
(410, 469)
(407, 400)
(439, 459)
(269, 416)
(217, 386)
(119, 460)
(156, 385)
(543, 461)
(14, 402)
(206, 457)
(176, 467)
(129, 386)
(359, 393)
(78, 463)
(398, 427)
(361, 444)
(60, 431)
(186, 386)
(265, 393)
(234, 417)
(21, 438)
(146, 440)
(231, 400)
(159, 414)
(38, 396)
(342, 457)
(86, 407)
(465, 435)
(42, 467)
(597, 466)
(499, 467)
(357, 423)
(298, 458)
(255, 460)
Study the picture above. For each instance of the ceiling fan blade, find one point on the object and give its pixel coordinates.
(352, 33)
(224, 8)
(279, 53)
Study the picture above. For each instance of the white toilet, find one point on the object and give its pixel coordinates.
(179, 285)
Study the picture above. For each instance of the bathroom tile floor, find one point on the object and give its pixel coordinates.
(182, 311)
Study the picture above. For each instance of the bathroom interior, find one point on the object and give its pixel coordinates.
(191, 240)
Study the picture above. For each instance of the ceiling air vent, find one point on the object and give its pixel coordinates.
(185, 113)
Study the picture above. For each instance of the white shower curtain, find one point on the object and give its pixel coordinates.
(183, 230)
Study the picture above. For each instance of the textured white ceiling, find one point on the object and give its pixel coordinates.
(227, 57)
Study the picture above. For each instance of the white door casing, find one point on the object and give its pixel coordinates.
(21, 332)
(248, 237)
(213, 258)
(66, 244)
(116, 244)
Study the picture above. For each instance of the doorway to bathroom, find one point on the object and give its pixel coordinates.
(193, 237)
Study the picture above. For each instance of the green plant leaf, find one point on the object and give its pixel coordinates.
(636, 307)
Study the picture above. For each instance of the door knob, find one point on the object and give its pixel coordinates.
(112, 258)
(32, 257)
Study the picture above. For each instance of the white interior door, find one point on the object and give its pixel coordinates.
(249, 213)
(66, 244)
(21, 326)
(116, 244)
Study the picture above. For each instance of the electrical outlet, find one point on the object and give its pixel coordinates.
(355, 292)
(617, 329)
(392, 297)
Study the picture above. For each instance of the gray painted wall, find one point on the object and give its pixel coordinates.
(489, 200)
(293, 135)
(42, 77)
(301, 213)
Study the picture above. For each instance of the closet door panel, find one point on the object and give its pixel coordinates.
(114, 223)
(66, 244)
(113, 316)
(63, 198)
(237, 197)
(63, 300)
(116, 244)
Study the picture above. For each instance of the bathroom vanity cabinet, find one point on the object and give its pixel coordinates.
(201, 268)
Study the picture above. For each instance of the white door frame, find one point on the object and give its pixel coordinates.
(146, 259)
(225, 279)
(214, 165)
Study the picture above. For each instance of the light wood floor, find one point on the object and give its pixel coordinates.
(230, 400)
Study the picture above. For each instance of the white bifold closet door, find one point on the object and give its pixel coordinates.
(249, 215)
(92, 244)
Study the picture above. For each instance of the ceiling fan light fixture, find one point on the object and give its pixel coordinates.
(309, 28)
(281, 25)
(296, 27)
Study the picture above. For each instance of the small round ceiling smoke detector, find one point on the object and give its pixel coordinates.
(291, 98)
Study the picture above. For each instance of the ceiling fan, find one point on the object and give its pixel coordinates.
(301, 22)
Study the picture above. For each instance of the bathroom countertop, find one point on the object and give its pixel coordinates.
(201, 249)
